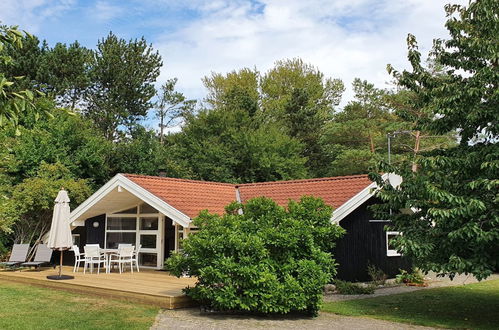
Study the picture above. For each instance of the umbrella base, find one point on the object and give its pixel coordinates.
(62, 277)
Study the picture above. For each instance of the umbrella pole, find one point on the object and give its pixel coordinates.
(60, 263)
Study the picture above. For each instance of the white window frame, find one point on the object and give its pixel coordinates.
(186, 231)
(179, 229)
(73, 238)
(159, 232)
(391, 252)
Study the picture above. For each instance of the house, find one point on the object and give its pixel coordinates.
(157, 213)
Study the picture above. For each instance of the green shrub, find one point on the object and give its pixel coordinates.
(267, 260)
(344, 287)
(414, 277)
(378, 277)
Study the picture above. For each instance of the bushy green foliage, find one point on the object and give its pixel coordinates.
(268, 259)
(344, 287)
(68, 139)
(414, 276)
(227, 145)
(27, 211)
(15, 98)
(377, 275)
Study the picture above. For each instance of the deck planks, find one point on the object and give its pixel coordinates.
(149, 286)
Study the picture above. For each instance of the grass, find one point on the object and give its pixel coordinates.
(29, 307)
(473, 306)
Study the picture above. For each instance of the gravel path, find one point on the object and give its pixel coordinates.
(433, 281)
(192, 318)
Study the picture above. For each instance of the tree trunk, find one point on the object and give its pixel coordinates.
(371, 142)
(416, 150)
(161, 127)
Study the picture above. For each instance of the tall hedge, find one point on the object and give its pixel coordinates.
(266, 259)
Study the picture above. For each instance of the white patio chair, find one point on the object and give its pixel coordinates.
(115, 254)
(79, 258)
(135, 257)
(93, 256)
(123, 257)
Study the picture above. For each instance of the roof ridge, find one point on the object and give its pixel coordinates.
(333, 178)
(177, 179)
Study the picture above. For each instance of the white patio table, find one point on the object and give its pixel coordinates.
(108, 253)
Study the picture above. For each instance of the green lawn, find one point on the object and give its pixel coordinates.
(473, 306)
(28, 307)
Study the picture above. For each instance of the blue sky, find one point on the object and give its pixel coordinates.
(344, 39)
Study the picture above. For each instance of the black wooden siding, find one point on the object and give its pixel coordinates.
(69, 257)
(364, 243)
(169, 237)
(96, 235)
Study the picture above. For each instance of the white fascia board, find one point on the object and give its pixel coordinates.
(122, 181)
(94, 198)
(360, 198)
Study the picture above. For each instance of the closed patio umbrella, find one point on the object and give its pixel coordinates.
(60, 237)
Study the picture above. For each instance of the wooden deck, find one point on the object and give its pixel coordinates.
(148, 286)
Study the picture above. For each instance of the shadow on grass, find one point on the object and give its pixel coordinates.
(471, 306)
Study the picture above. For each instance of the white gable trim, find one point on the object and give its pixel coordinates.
(360, 198)
(120, 181)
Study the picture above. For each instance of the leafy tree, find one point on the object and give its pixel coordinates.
(61, 72)
(223, 145)
(219, 86)
(357, 135)
(15, 99)
(27, 213)
(172, 106)
(287, 76)
(268, 259)
(122, 83)
(68, 139)
(293, 95)
(300, 98)
(26, 62)
(67, 73)
(454, 227)
(143, 153)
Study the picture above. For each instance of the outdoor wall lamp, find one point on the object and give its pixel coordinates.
(96, 224)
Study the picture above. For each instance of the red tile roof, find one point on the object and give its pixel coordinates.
(191, 196)
(188, 196)
(334, 191)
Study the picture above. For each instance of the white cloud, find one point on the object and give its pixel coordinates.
(30, 14)
(345, 39)
(105, 10)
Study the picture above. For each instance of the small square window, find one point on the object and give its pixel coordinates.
(391, 250)
(76, 239)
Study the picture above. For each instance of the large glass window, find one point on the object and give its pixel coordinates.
(149, 223)
(115, 238)
(139, 225)
(119, 223)
(148, 241)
